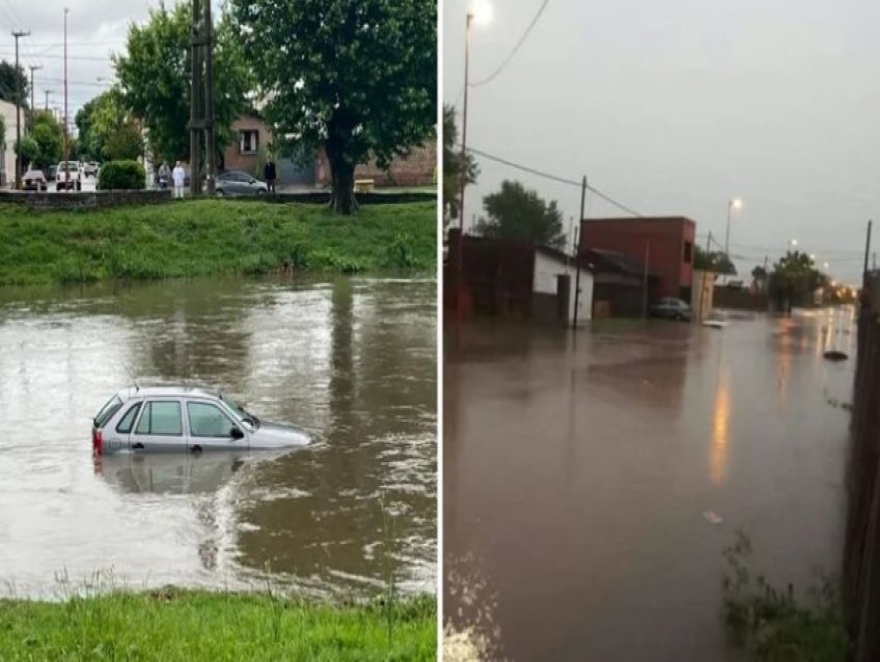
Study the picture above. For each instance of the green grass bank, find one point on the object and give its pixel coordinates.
(192, 626)
(211, 237)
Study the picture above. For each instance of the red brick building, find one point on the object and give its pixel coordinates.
(664, 244)
(253, 138)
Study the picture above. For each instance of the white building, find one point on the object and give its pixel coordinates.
(7, 146)
(552, 269)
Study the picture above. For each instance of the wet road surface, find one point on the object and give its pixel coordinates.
(577, 472)
(352, 361)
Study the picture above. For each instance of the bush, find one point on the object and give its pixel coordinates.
(122, 175)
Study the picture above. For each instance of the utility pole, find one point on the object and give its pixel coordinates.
(645, 285)
(48, 92)
(18, 97)
(33, 68)
(867, 251)
(195, 122)
(709, 242)
(577, 256)
(66, 137)
(210, 138)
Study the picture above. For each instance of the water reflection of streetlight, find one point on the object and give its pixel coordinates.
(721, 430)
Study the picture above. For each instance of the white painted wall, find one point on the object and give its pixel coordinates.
(546, 271)
(7, 148)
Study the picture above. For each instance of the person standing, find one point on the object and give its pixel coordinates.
(164, 175)
(269, 175)
(179, 176)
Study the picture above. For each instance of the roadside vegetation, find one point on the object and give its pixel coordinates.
(769, 624)
(191, 626)
(211, 237)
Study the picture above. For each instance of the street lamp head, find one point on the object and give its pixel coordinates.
(793, 243)
(480, 12)
(736, 203)
(825, 265)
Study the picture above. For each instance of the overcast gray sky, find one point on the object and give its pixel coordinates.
(95, 29)
(676, 107)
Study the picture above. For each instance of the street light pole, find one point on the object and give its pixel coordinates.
(33, 68)
(19, 93)
(736, 203)
(464, 166)
(66, 137)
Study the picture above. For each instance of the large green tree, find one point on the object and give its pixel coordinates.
(356, 77)
(108, 131)
(43, 146)
(518, 213)
(155, 74)
(12, 82)
(454, 164)
(715, 261)
(794, 280)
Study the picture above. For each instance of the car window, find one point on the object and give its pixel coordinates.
(107, 411)
(127, 422)
(160, 418)
(207, 420)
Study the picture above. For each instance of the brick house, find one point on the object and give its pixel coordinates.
(253, 138)
(665, 244)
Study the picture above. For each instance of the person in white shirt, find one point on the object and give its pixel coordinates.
(179, 177)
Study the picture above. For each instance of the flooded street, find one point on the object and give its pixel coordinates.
(351, 361)
(578, 473)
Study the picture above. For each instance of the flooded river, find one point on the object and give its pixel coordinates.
(579, 474)
(351, 361)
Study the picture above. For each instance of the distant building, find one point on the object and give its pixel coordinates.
(253, 140)
(7, 147)
(662, 245)
(501, 278)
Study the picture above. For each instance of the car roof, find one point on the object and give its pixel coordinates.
(169, 391)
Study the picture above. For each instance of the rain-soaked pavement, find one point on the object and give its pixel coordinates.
(577, 472)
(352, 361)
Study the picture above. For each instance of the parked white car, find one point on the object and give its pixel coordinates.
(70, 181)
(181, 418)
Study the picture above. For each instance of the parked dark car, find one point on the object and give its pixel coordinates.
(236, 183)
(671, 309)
(50, 172)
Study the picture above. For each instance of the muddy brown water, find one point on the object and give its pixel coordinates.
(578, 471)
(352, 361)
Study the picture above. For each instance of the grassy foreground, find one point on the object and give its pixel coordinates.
(194, 625)
(211, 237)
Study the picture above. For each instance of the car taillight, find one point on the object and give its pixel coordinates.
(98, 441)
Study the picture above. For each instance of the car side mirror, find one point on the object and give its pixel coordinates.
(236, 433)
(253, 181)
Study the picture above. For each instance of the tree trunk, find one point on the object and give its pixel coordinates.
(342, 177)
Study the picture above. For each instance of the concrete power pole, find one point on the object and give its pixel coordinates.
(33, 68)
(18, 97)
(210, 137)
(195, 117)
(48, 92)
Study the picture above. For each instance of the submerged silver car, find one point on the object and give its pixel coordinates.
(182, 418)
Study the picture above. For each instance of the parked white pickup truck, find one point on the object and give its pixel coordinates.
(68, 177)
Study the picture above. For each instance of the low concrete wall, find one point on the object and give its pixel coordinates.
(103, 199)
(68, 201)
(323, 197)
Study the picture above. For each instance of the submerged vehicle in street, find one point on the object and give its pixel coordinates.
(183, 418)
(671, 309)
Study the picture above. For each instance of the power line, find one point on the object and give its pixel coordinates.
(516, 48)
(561, 180)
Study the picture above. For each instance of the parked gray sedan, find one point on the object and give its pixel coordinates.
(181, 418)
(235, 183)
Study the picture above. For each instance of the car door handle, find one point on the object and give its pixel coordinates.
(137, 447)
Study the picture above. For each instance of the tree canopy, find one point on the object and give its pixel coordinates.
(107, 130)
(715, 261)
(11, 81)
(155, 76)
(452, 166)
(44, 145)
(794, 279)
(356, 77)
(518, 213)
